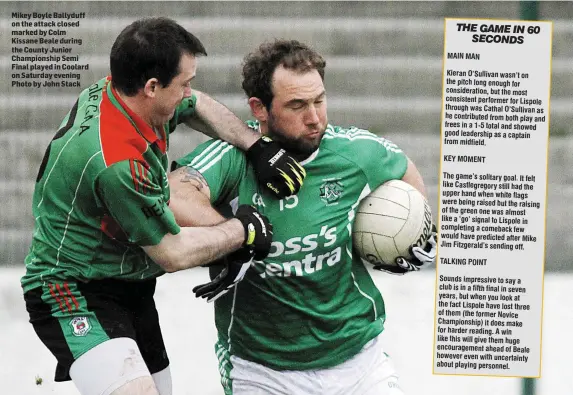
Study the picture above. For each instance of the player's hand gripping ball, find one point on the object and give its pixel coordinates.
(393, 229)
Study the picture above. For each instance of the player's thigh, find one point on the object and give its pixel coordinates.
(250, 378)
(113, 367)
(132, 304)
(148, 331)
(384, 385)
(70, 321)
(381, 377)
(370, 372)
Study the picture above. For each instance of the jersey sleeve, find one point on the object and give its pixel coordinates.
(380, 159)
(183, 111)
(136, 202)
(222, 165)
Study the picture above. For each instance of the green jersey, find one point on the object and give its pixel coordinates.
(101, 193)
(311, 303)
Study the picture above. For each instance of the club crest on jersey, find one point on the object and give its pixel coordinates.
(330, 191)
(80, 326)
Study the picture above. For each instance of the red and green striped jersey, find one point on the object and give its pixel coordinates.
(101, 193)
(311, 303)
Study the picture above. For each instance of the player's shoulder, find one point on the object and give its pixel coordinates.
(92, 95)
(96, 86)
(209, 153)
(213, 151)
(356, 141)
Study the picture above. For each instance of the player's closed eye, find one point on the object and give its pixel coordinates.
(297, 106)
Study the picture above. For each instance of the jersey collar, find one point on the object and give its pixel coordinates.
(142, 127)
(310, 158)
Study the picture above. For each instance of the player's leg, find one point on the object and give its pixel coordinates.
(241, 377)
(114, 367)
(149, 365)
(162, 380)
(370, 372)
(72, 319)
(150, 339)
(140, 386)
(252, 378)
(382, 379)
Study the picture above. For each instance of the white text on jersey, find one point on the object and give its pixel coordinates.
(311, 263)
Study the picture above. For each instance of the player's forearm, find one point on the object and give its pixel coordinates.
(218, 121)
(195, 214)
(195, 246)
(206, 244)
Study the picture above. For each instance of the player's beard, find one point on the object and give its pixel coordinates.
(300, 148)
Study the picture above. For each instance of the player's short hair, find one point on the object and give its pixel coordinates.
(150, 48)
(259, 66)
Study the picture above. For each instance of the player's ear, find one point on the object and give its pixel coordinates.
(150, 87)
(258, 109)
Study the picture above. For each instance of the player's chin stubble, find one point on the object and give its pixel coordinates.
(300, 147)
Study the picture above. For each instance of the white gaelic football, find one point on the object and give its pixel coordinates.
(389, 221)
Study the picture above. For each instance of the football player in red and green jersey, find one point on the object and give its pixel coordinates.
(104, 230)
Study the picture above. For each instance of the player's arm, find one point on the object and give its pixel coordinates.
(195, 246)
(190, 202)
(130, 195)
(392, 163)
(425, 256)
(217, 121)
(414, 178)
(190, 198)
(276, 170)
(383, 161)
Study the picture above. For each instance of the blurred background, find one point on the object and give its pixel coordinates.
(384, 65)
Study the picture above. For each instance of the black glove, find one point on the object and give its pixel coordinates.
(258, 230)
(275, 169)
(235, 266)
(422, 257)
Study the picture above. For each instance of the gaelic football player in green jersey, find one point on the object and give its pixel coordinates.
(306, 319)
(104, 230)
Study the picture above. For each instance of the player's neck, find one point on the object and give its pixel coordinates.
(301, 157)
(138, 107)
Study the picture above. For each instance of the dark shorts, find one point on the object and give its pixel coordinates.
(71, 318)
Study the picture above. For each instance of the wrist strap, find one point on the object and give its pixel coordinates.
(257, 148)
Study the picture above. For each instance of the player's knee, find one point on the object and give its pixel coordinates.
(139, 386)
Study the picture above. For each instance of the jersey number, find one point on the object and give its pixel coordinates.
(288, 202)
